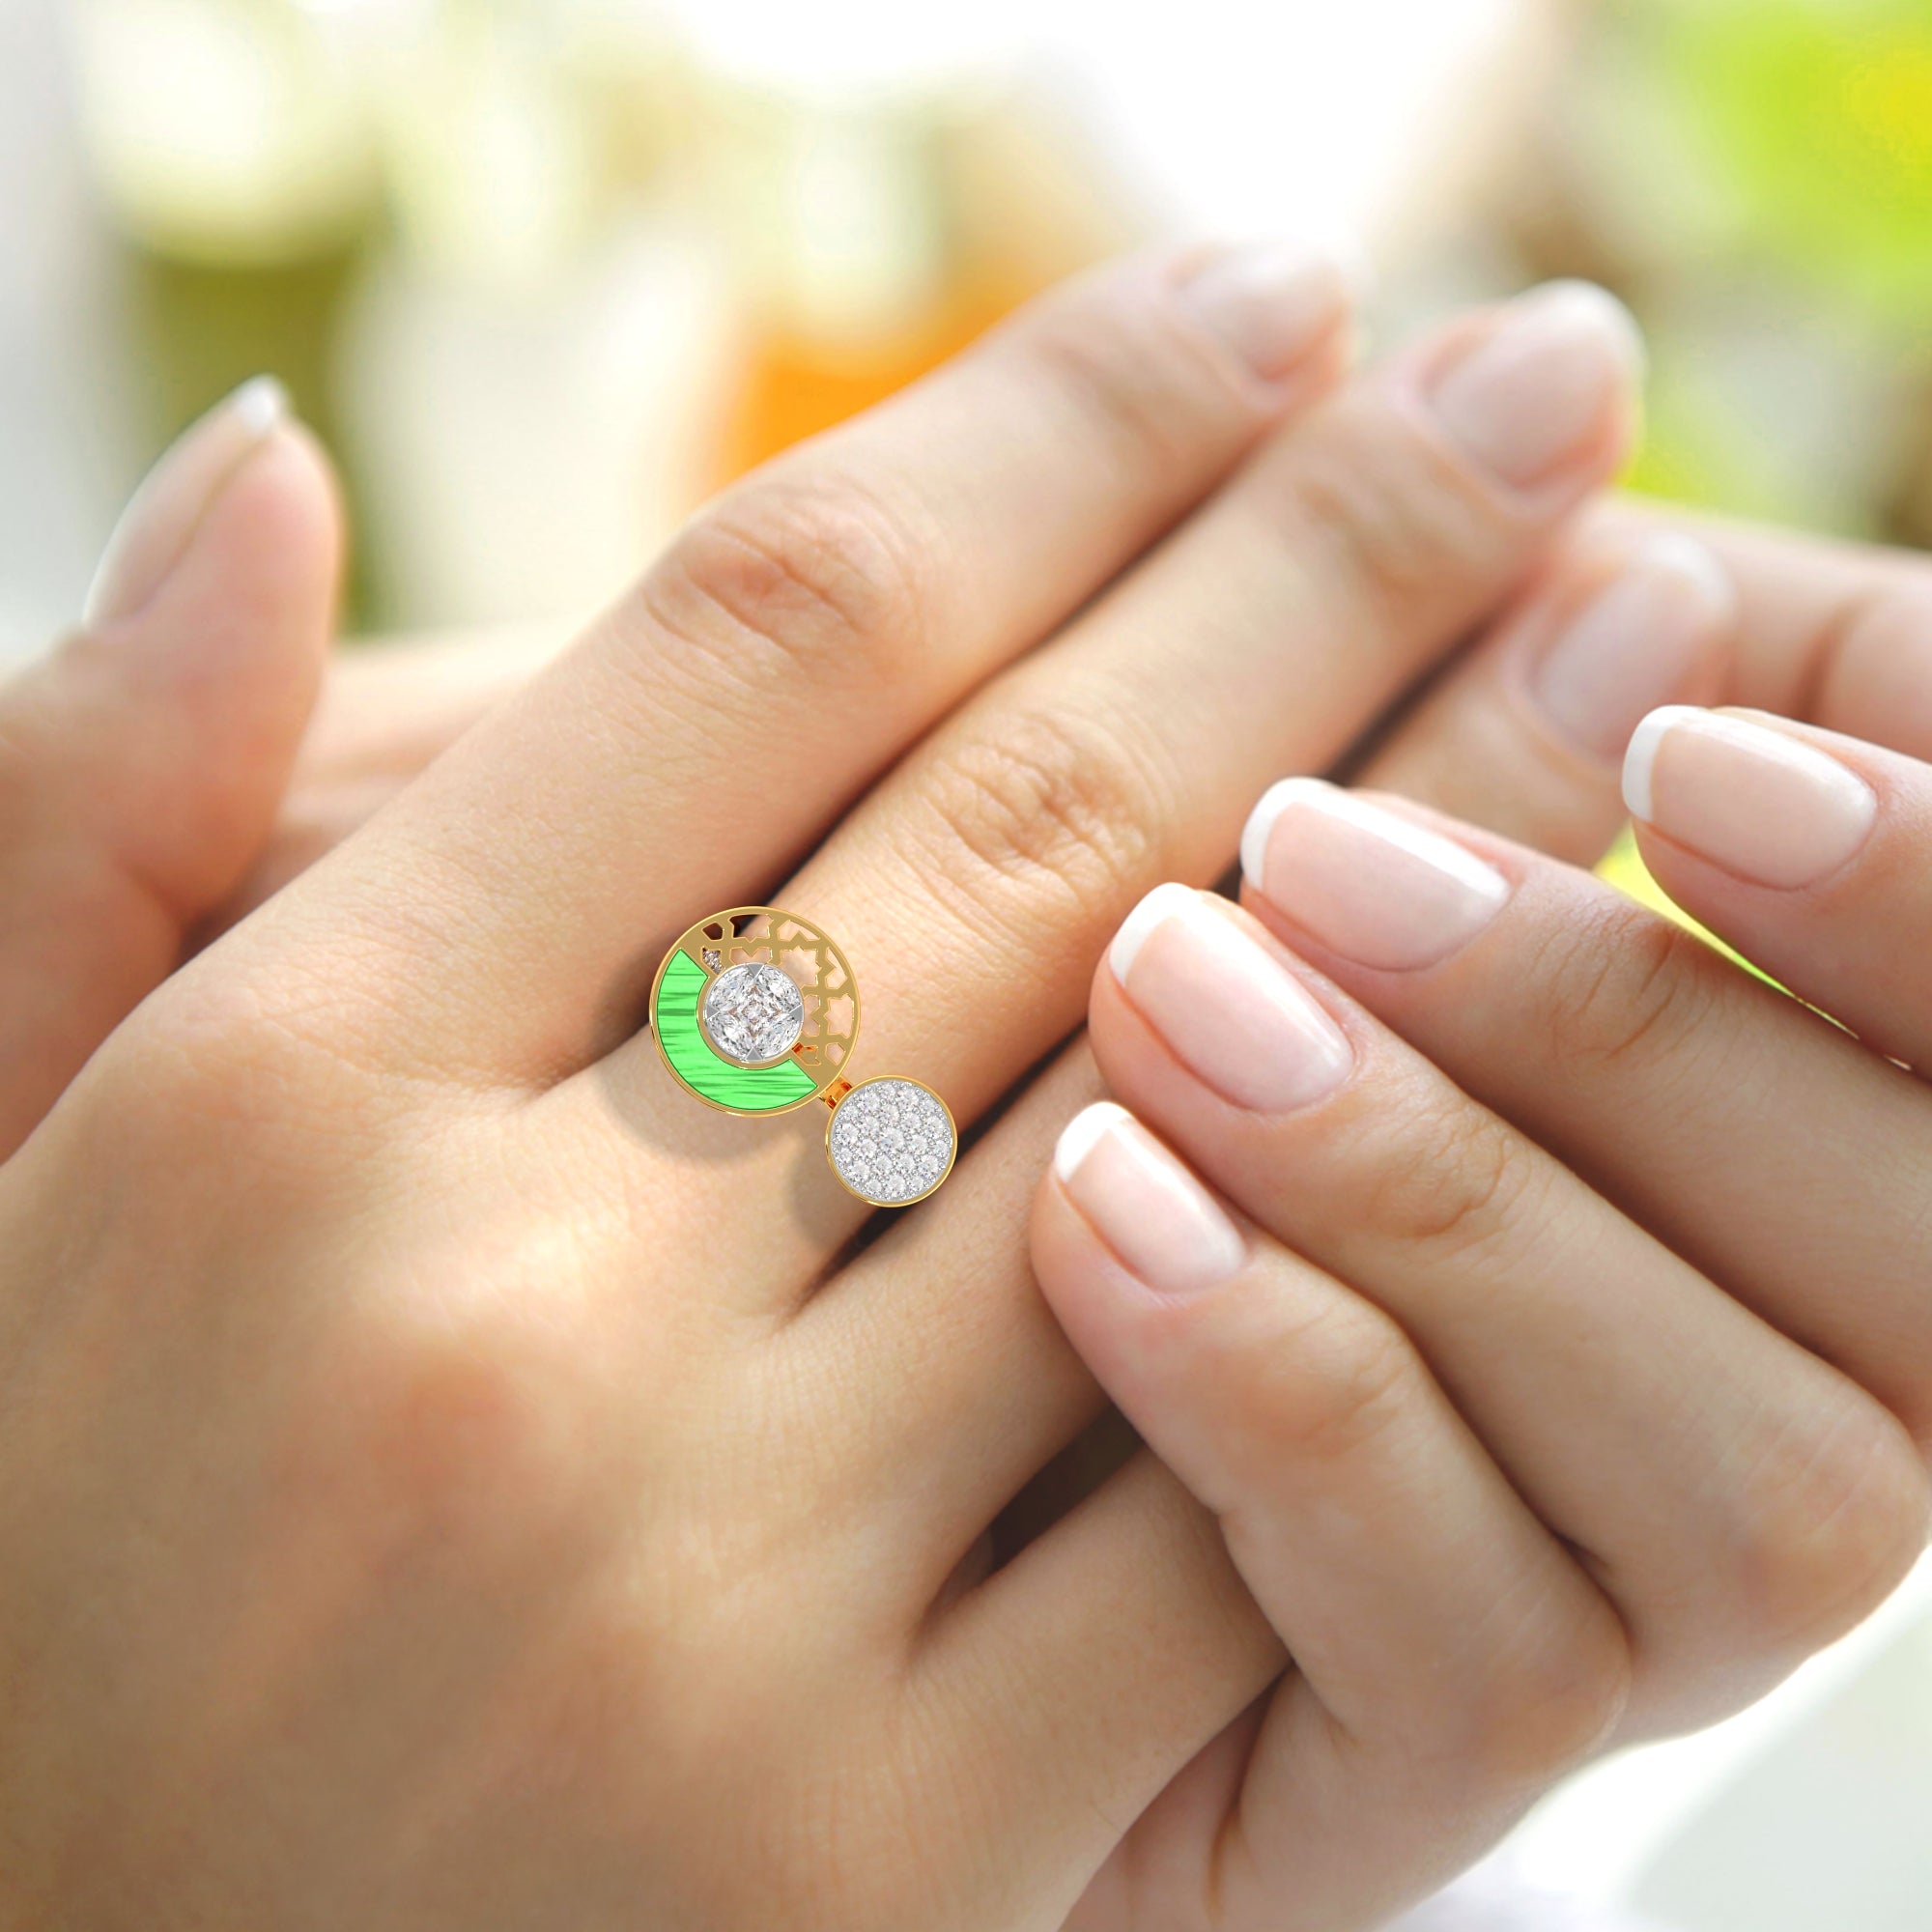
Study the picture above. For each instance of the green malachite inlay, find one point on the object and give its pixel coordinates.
(754, 1087)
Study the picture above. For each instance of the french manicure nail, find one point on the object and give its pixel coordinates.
(1162, 1225)
(1369, 885)
(160, 522)
(1536, 390)
(1226, 1009)
(1758, 801)
(1637, 643)
(1272, 302)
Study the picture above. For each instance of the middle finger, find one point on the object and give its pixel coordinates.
(973, 888)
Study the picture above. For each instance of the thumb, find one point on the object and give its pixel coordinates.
(141, 764)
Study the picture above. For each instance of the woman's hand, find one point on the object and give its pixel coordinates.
(1551, 1334)
(448, 1476)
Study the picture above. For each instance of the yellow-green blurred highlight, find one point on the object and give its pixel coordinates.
(1624, 868)
(1816, 122)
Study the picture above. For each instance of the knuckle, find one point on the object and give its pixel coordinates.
(814, 570)
(214, 1068)
(1053, 796)
(256, 1116)
(1552, 1698)
(465, 1439)
(200, 1072)
(1829, 1521)
(1865, 682)
(1130, 390)
(1326, 1392)
(1623, 989)
(1453, 1189)
(1385, 518)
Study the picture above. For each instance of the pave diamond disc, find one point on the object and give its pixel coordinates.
(891, 1141)
(754, 1013)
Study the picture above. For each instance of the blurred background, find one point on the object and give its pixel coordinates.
(546, 272)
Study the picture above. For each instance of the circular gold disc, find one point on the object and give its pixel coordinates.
(719, 1041)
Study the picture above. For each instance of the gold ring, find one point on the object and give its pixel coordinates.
(755, 1012)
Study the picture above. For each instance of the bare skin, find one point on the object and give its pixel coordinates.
(432, 1563)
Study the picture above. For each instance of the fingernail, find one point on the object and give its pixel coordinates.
(1637, 643)
(1225, 1006)
(1760, 803)
(1272, 302)
(159, 523)
(1368, 884)
(1537, 389)
(1162, 1225)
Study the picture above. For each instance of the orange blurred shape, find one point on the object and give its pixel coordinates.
(793, 387)
(1022, 197)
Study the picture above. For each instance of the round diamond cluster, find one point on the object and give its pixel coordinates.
(891, 1141)
(754, 1013)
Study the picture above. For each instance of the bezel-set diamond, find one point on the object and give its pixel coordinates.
(752, 1013)
(891, 1141)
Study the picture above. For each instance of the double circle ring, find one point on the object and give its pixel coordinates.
(755, 1012)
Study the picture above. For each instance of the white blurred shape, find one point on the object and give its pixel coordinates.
(524, 457)
(1794, 1816)
(845, 48)
(489, 169)
(228, 130)
(1239, 116)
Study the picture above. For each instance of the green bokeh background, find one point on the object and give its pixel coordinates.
(1774, 158)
